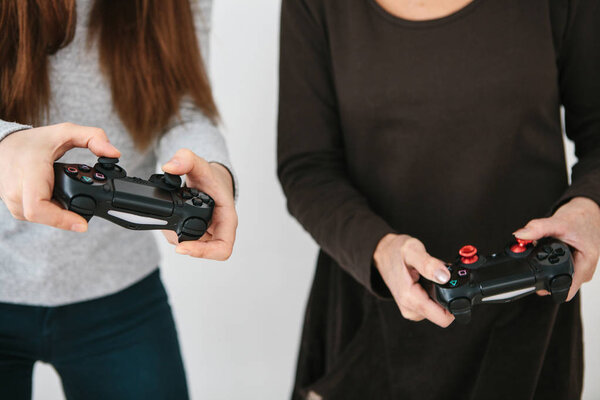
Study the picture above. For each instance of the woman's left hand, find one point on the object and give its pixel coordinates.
(216, 181)
(577, 223)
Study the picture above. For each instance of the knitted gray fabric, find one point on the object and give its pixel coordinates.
(40, 265)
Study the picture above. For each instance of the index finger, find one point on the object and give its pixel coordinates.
(38, 207)
(94, 139)
(429, 308)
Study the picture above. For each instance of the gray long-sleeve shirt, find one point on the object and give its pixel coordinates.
(41, 265)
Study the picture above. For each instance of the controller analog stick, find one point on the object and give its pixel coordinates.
(520, 246)
(172, 180)
(468, 254)
(108, 163)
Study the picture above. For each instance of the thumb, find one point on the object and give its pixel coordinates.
(539, 228)
(186, 162)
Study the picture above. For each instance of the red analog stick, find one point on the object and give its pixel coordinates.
(520, 246)
(468, 254)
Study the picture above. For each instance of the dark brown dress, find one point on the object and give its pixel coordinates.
(448, 130)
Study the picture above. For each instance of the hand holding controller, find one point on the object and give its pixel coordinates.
(518, 271)
(158, 203)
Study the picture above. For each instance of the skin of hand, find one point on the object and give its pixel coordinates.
(216, 181)
(577, 223)
(27, 171)
(401, 260)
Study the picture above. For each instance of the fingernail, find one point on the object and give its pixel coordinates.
(78, 228)
(173, 163)
(442, 275)
(182, 251)
(522, 231)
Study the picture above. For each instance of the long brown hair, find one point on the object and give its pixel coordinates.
(148, 51)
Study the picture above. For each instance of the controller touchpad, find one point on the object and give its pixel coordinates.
(504, 277)
(143, 198)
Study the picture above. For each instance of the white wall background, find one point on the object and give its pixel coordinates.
(239, 322)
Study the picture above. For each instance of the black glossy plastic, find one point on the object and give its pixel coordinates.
(507, 277)
(106, 191)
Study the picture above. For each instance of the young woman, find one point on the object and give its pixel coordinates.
(409, 129)
(112, 78)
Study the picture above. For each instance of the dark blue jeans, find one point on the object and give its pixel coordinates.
(122, 346)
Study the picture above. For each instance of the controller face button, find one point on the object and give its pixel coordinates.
(99, 176)
(542, 255)
(87, 180)
(197, 202)
(194, 192)
(462, 272)
(71, 171)
(85, 168)
(453, 283)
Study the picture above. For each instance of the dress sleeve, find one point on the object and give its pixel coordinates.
(579, 74)
(311, 165)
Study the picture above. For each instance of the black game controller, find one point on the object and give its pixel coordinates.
(518, 271)
(158, 203)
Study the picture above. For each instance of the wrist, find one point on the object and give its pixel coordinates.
(584, 203)
(383, 249)
(224, 175)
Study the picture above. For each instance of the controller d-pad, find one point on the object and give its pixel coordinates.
(197, 202)
(542, 255)
(553, 259)
(194, 192)
(560, 251)
(186, 195)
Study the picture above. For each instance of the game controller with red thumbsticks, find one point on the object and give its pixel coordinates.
(106, 191)
(519, 270)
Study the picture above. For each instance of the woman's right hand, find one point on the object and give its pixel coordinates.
(27, 172)
(401, 260)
